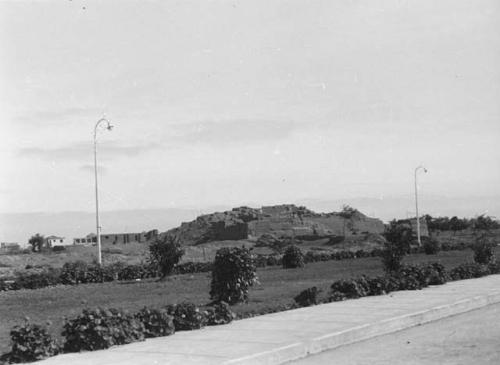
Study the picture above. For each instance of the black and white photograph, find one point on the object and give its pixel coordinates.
(246, 182)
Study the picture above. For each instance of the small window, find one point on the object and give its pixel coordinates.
(106, 237)
(77, 240)
(60, 241)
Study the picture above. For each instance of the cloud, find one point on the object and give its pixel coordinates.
(58, 116)
(207, 133)
(83, 151)
(234, 131)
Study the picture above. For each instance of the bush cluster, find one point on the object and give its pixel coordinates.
(187, 316)
(307, 297)
(164, 253)
(193, 267)
(469, 270)
(233, 273)
(219, 313)
(430, 246)
(293, 258)
(36, 280)
(483, 251)
(407, 278)
(30, 342)
(96, 329)
(157, 322)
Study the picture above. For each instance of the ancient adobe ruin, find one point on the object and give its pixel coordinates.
(287, 221)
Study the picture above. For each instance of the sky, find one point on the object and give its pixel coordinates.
(246, 102)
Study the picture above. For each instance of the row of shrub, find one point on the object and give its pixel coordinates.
(429, 247)
(79, 272)
(406, 278)
(96, 329)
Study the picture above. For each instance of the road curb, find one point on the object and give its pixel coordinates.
(359, 333)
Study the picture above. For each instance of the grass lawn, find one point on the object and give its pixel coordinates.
(277, 286)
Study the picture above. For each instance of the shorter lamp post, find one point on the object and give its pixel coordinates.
(416, 203)
(98, 227)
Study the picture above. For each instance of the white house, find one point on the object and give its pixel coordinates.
(52, 241)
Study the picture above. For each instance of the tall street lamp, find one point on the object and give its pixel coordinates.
(416, 203)
(98, 227)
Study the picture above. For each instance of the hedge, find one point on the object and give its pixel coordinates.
(99, 328)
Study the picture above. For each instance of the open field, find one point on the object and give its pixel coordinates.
(277, 286)
(131, 254)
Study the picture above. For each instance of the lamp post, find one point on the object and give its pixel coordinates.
(416, 203)
(98, 227)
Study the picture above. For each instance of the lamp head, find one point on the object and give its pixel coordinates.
(109, 127)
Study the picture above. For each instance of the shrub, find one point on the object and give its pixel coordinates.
(483, 251)
(349, 288)
(307, 297)
(293, 258)
(411, 278)
(187, 316)
(436, 274)
(392, 257)
(260, 260)
(430, 246)
(219, 313)
(31, 342)
(132, 272)
(379, 285)
(74, 273)
(273, 260)
(156, 322)
(469, 271)
(397, 245)
(164, 254)
(98, 329)
(193, 267)
(36, 280)
(58, 248)
(232, 275)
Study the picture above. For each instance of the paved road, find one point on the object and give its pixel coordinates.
(469, 338)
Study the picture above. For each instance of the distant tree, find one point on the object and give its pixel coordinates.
(36, 242)
(457, 224)
(347, 211)
(484, 223)
(164, 253)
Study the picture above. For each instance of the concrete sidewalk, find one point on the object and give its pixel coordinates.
(281, 337)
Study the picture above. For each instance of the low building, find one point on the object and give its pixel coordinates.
(10, 247)
(88, 240)
(123, 238)
(117, 238)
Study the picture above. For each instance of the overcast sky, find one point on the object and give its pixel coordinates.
(230, 102)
